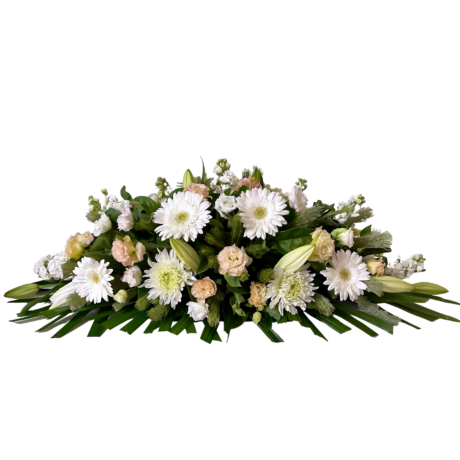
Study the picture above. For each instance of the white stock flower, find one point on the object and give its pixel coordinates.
(92, 280)
(291, 290)
(198, 311)
(182, 216)
(297, 199)
(113, 202)
(262, 212)
(55, 265)
(167, 278)
(102, 225)
(225, 204)
(125, 220)
(405, 269)
(229, 178)
(40, 268)
(132, 276)
(346, 275)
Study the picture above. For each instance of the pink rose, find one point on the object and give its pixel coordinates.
(200, 189)
(249, 182)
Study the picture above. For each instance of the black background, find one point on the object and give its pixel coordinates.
(67, 144)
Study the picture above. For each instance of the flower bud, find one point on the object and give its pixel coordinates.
(375, 267)
(296, 259)
(188, 179)
(393, 285)
(186, 253)
(121, 296)
(428, 289)
(343, 236)
(22, 292)
(256, 317)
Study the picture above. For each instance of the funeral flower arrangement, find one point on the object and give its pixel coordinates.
(226, 250)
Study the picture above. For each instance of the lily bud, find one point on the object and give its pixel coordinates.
(393, 285)
(188, 179)
(186, 253)
(429, 289)
(296, 259)
(22, 292)
(256, 317)
(121, 296)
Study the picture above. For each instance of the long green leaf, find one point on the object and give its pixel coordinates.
(306, 322)
(135, 323)
(153, 326)
(271, 334)
(427, 311)
(181, 325)
(210, 333)
(382, 324)
(350, 319)
(70, 326)
(336, 323)
(119, 318)
(415, 313)
(54, 321)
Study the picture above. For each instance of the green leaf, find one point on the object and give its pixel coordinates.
(274, 313)
(113, 214)
(366, 231)
(427, 311)
(216, 223)
(306, 322)
(232, 281)
(289, 240)
(191, 329)
(119, 318)
(135, 323)
(166, 322)
(440, 299)
(54, 321)
(209, 333)
(125, 195)
(415, 312)
(147, 203)
(338, 325)
(204, 265)
(203, 174)
(382, 324)
(71, 325)
(103, 241)
(153, 326)
(269, 332)
(96, 328)
(350, 319)
(185, 322)
(410, 324)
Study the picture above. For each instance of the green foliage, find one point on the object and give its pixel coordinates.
(374, 310)
(322, 304)
(22, 292)
(75, 302)
(215, 238)
(288, 240)
(308, 217)
(124, 194)
(374, 240)
(362, 215)
(266, 275)
(159, 312)
(374, 286)
(93, 216)
(237, 229)
(257, 251)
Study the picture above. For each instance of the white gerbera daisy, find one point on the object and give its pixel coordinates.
(182, 216)
(262, 212)
(167, 277)
(346, 275)
(92, 280)
(291, 290)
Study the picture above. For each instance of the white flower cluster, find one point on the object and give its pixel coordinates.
(50, 267)
(356, 200)
(112, 201)
(405, 269)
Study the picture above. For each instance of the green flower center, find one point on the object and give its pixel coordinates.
(168, 279)
(345, 274)
(181, 217)
(260, 213)
(96, 278)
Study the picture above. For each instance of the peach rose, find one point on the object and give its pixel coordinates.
(202, 289)
(325, 246)
(249, 182)
(200, 189)
(233, 260)
(258, 293)
(126, 253)
(375, 267)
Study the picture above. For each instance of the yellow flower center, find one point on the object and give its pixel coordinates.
(345, 274)
(96, 278)
(260, 213)
(181, 217)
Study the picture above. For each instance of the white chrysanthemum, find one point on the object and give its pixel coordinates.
(262, 212)
(92, 280)
(198, 311)
(55, 265)
(41, 267)
(182, 216)
(225, 205)
(346, 275)
(291, 290)
(167, 278)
